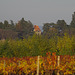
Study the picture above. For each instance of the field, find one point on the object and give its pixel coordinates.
(48, 65)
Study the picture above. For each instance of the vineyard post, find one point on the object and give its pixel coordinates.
(58, 64)
(38, 65)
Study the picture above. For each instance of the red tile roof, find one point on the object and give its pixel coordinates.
(36, 28)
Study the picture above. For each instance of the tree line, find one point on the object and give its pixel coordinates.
(18, 40)
(24, 29)
(59, 28)
(19, 30)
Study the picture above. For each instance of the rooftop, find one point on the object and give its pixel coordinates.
(36, 28)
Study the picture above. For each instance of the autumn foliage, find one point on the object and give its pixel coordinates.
(28, 65)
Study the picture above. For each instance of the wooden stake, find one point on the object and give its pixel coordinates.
(38, 65)
(58, 64)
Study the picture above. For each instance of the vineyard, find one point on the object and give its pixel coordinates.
(48, 65)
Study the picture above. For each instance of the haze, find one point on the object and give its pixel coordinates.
(37, 11)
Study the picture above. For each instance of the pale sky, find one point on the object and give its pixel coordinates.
(37, 11)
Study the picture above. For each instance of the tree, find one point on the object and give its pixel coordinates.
(61, 24)
(6, 24)
(49, 30)
(73, 21)
(65, 45)
(12, 23)
(1, 25)
(24, 28)
(47, 26)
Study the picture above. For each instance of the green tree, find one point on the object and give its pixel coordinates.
(12, 23)
(61, 24)
(47, 26)
(1, 25)
(6, 24)
(24, 28)
(49, 30)
(73, 21)
(65, 45)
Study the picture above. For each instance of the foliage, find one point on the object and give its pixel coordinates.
(24, 28)
(21, 29)
(28, 65)
(65, 45)
(73, 21)
(61, 24)
(38, 45)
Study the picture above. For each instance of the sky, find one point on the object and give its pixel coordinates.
(37, 11)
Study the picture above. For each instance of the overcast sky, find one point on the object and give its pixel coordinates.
(37, 11)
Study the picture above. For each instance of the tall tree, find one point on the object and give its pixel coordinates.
(1, 25)
(49, 30)
(61, 24)
(12, 23)
(73, 20)
(6, 24)
(24, 28)
(47, 26)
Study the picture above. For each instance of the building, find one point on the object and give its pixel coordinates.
(37, 30)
